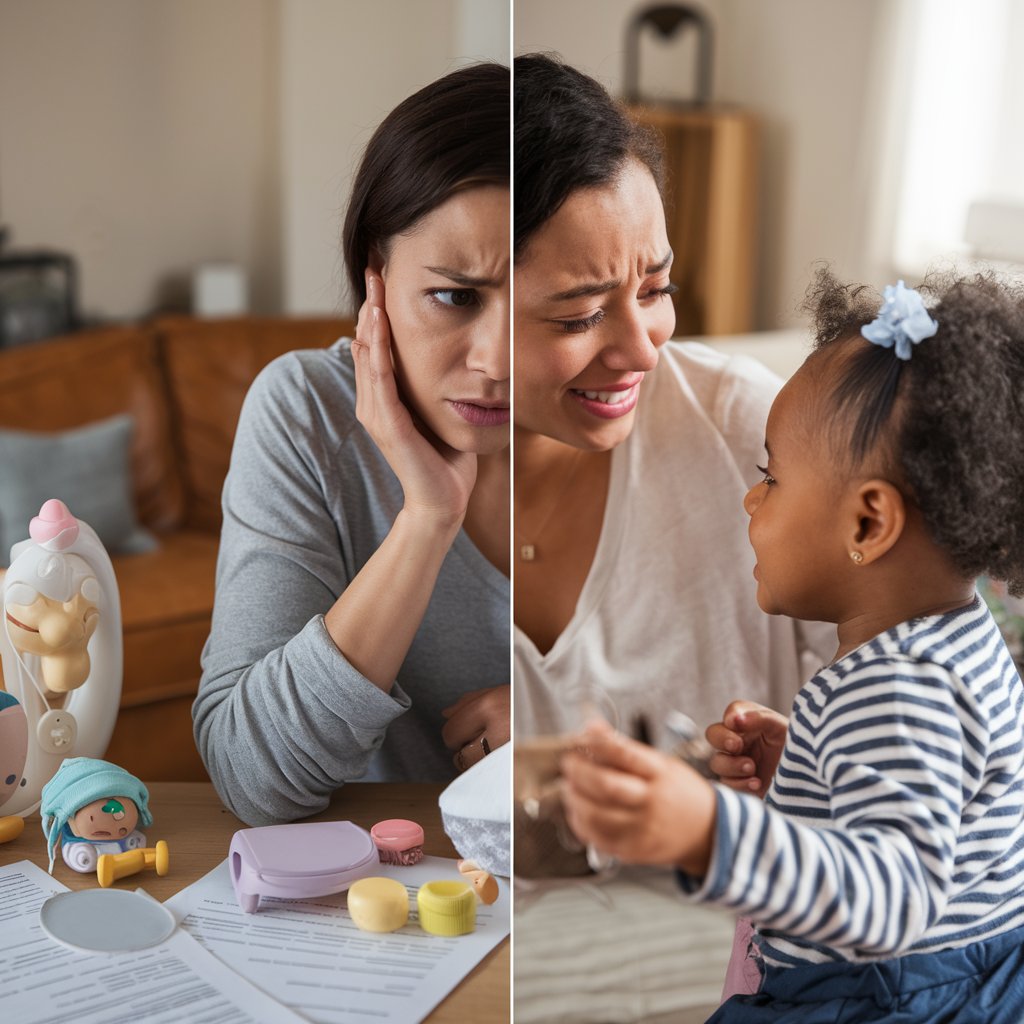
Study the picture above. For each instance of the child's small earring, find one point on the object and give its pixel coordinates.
(857, 557)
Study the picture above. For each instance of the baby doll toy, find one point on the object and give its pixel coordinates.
(92, 808)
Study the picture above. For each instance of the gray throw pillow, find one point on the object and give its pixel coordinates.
(88, 468)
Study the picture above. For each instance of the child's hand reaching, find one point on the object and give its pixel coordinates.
(637, 804)
(748, 743)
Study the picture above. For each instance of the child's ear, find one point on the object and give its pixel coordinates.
(881, 515)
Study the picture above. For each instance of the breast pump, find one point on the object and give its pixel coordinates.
(61, 653)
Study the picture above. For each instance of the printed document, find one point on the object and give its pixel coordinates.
(310, 956)
(43, 982)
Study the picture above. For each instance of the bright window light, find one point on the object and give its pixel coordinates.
(952, 147)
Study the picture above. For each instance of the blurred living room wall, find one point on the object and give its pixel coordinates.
(882, 124)
(148, 137)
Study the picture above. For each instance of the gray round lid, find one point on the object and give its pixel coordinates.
(106, 920)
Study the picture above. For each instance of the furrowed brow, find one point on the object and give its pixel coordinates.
(658, 267)
(581, 290)
(601, 287)
(464, 280)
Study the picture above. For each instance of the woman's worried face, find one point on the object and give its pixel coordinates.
(446, 295)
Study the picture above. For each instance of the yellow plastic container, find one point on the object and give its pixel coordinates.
(378, 904)
(447, 908)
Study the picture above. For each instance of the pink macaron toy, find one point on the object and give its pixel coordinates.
(398, 841)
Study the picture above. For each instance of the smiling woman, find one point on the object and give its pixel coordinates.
(632, 453)
(361, 620)
(633, 589)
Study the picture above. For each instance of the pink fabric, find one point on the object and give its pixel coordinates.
(743, 976)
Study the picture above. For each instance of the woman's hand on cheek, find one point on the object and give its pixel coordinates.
(436, 480)
(748, 743)
(482, 715)
(637, 804)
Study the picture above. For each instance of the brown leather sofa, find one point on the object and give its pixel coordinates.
(183, 380)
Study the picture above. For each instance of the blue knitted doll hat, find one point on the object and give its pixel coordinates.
(78, 782)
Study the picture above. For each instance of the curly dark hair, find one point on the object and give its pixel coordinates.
(569, 134)
(950, 421)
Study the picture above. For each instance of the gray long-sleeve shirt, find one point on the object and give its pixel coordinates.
(282, 719)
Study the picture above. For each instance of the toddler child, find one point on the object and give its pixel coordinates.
(884, 871)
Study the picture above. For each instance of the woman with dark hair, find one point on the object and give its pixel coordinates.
(361, 620)
(632, 455)
(633, 586)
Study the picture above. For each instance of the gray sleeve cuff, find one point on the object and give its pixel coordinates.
(282, 734)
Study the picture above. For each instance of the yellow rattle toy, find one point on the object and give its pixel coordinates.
(112, 866)
(11, 826)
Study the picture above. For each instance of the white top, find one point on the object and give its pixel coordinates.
(668, 616)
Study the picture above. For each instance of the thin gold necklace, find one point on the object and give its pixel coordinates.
(528, 550)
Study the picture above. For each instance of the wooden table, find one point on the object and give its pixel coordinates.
(190, 816)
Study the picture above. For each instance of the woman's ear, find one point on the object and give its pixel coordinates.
(881, 516)
(375, 261)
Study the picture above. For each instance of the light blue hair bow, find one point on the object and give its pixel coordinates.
(902, 322)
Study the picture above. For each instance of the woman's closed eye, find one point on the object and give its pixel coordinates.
(454, 298)
(768, 478)
(657, 293)
(579, 326)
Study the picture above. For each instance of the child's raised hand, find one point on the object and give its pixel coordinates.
(636, 803)
(748, 743)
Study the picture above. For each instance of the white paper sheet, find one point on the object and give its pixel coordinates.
(41, 982)
(309, 955)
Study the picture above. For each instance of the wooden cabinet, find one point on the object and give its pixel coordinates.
(710, 206)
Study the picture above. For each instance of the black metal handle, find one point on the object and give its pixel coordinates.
(667, 20)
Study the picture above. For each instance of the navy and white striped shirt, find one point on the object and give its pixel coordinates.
(895, 822)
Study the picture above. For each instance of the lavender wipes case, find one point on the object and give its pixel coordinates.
(299, 861)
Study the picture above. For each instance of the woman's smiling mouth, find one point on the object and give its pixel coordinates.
(611, 400)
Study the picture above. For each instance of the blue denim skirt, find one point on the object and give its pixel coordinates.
(978, 984)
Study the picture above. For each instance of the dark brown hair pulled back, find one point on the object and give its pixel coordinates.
(452, 133)
(569, 134)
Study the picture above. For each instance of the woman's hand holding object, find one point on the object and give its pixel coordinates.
(436, 480)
